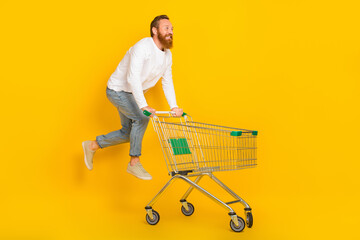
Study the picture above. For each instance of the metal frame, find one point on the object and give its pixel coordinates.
(213, 148)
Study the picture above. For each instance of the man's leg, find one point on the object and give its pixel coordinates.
(137, 133)
(94, 146)
(134, 122)
(139, 123)
(115, 137)
(139, 126)
(112, 138)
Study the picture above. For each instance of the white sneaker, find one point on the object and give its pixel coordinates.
(89, 154)
(138, 171)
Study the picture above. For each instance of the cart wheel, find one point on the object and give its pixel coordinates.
(155, 220)
(237, 228)
(191, 210)
(249, 219)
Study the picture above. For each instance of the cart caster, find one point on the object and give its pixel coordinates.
(249, 219)
(190, 210)
(237, 228)
(155, 220)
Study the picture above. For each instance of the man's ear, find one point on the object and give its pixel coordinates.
(154, 30)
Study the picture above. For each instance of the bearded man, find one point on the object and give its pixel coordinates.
(143, 65)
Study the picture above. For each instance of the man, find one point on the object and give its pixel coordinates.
(143, 65)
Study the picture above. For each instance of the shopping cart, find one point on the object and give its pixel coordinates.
(194, 149)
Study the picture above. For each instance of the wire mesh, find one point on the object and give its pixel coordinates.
(203, 147)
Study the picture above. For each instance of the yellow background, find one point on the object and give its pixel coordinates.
(289, 69)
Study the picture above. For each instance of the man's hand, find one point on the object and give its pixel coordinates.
(178, 112)
(149, 109)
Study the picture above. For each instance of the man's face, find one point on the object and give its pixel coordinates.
(165, 33)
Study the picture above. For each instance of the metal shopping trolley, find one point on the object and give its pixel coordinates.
(194, 149)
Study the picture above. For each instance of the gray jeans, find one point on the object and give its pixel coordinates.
(133, 123)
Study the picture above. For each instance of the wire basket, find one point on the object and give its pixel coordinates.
(190, 146)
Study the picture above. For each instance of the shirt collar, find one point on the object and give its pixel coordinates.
(152, 40)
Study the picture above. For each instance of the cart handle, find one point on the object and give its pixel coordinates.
(147, 113)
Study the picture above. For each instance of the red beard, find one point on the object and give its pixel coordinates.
(167, 43)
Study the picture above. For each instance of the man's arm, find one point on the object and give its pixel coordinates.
(168, 87)
(137, 58)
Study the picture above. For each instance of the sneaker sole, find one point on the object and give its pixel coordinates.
(83, 145)
(142, 178)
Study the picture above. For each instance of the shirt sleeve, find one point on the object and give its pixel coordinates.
(168, 86)
(137, 58)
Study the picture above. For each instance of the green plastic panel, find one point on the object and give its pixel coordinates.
(180, 146)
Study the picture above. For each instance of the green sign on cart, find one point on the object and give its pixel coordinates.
(179, 146)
